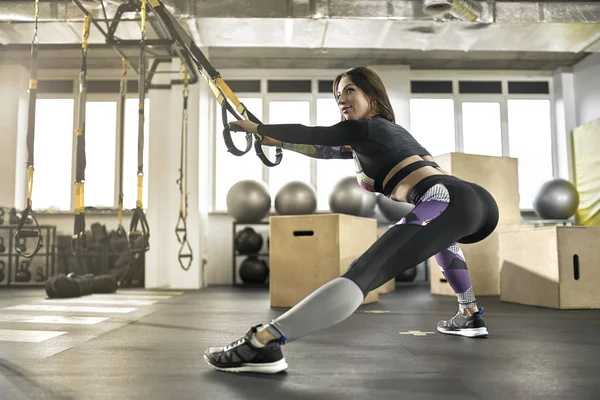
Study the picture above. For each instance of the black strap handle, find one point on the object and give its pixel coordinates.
(139, 242)
(185, 255)
(79, 240)
(23, 233)
(226, 107)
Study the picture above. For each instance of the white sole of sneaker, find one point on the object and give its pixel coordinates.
(269, 368)
(471, 332)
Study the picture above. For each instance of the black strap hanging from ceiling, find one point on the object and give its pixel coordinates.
(79, 239)
(22, 233)
(139, 231)
(224, 95)
(121, 232)
(185, 255)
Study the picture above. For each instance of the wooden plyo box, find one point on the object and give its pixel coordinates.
(498, 175)
(307, 251)
(484, 260)
(555, 267)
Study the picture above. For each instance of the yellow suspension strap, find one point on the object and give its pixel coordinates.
(222, 92)
(22, 233)
(185, 255)
(121, 232)
(79, 239)
(139, 231)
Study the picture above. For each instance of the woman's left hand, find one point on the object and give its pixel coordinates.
(246, 125)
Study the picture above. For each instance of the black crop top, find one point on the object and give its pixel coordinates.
(378, 145)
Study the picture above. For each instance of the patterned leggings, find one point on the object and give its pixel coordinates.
(447, 211)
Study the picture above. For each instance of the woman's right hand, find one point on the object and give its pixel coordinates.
(268, 141)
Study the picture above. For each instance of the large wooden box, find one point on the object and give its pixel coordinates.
(555, 267)
(498, 175)
(307, 251)
(484, 260)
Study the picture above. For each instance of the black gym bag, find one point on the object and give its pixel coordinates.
(66, 286)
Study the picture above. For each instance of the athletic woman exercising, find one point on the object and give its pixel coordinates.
(388, 160)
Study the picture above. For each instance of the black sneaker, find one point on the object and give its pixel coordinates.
(472, 326)
(242, 356)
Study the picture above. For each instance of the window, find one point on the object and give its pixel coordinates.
(100, 143)
(53, 148)
(230, 169)
(130, 156)
(530, 140)
(294, 166)
(329, 172)
(481, 128)
(432, 124)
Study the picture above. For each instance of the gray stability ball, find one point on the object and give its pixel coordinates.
(392, 211)
(348, 197)
(556, 199)
(296, 198)
(248, 201)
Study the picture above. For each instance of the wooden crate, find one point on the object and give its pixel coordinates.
(307, 251)
(498, 175)
(484, 260)
(555, 267)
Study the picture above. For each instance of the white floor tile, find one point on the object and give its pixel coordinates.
(86, 309)
(15, 335)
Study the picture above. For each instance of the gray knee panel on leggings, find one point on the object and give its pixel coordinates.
(327, 306)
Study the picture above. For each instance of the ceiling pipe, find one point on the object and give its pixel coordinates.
(467, 10)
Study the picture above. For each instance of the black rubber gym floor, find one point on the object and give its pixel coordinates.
(155, 350)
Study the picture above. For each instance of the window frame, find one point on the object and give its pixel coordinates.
(264, 76)
(61, 96)
(114, 97)
(504, 77)
(74, 77)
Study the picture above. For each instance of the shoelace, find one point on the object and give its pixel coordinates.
(234, 344)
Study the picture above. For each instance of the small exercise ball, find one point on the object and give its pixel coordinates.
(407, 276)
(254, 270)
(348, 197)
(248, 201)
(393, 210)
(296, 198)
(556, 199)
(247, 241)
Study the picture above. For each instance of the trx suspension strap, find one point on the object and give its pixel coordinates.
(139, 240)
(78, 242)
(121, 232)
(22, 233)
(218, 86)
(185, 255)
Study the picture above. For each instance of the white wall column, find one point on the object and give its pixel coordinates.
(586, 78)
(159, 207)
(162, 265)
(14, 104)
(204, 146)
(566, 121)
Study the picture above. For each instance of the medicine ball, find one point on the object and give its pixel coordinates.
(247, 241)
(556, 199)
(248, 201)
(254, 270)
(407, 276)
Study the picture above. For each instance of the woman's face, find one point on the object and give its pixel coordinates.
(353, 102)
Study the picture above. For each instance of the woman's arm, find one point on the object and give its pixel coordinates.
(319, 151)
(340, 134)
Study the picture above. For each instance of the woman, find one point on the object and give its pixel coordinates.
(389, 160)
